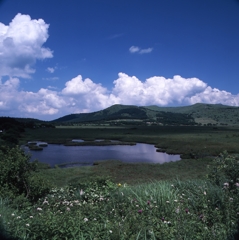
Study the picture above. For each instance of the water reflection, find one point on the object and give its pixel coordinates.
(77, 140)
(58, 154)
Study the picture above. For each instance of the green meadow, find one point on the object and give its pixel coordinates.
(197, 140)
(194, 198)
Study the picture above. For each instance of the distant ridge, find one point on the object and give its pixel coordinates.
(197, 114)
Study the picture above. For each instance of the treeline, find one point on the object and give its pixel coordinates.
(12, 129)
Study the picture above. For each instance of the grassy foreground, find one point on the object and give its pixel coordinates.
(114, 200)
(180, 210)
(102, 209)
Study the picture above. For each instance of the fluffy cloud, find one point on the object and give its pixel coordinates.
(156, 90)
(83, 95)
(14, 102)
(135, 49)
(50, 70)
(9, 96)
(21, 44)
(87, 94)
(214, 95)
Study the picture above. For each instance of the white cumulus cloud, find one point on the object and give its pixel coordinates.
(155, 90)
(21, 44)
(135, 49)
(214, 95)
(87, 94)
(84, 95)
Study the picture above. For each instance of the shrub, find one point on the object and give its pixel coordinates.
(225, 171)
(18, 178)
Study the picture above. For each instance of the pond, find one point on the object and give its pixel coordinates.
(55, 154)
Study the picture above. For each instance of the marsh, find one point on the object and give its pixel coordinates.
(86, 155)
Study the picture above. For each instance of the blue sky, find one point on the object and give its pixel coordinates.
(61, 57)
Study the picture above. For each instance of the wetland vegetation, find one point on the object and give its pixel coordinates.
(194, 198)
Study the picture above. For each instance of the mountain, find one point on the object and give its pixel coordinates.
(112, 113)
(206, 113)
(216, 114)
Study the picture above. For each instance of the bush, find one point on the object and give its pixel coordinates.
(225, 171)
(18, 177)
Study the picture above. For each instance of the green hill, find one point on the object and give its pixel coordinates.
(206, 113)
(115, 112)
(216, 114)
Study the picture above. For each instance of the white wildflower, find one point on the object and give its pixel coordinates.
(226, 185)
(45, 202)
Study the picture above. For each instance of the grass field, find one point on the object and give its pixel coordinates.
(172, 139)
(131, 174)
(196, 145)
(175, 200)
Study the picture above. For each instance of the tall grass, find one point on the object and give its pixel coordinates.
(104, 210)
(99, 208)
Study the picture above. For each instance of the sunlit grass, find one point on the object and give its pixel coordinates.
(129, 173)
(104, 210)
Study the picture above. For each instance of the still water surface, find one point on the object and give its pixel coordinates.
(86, 155)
